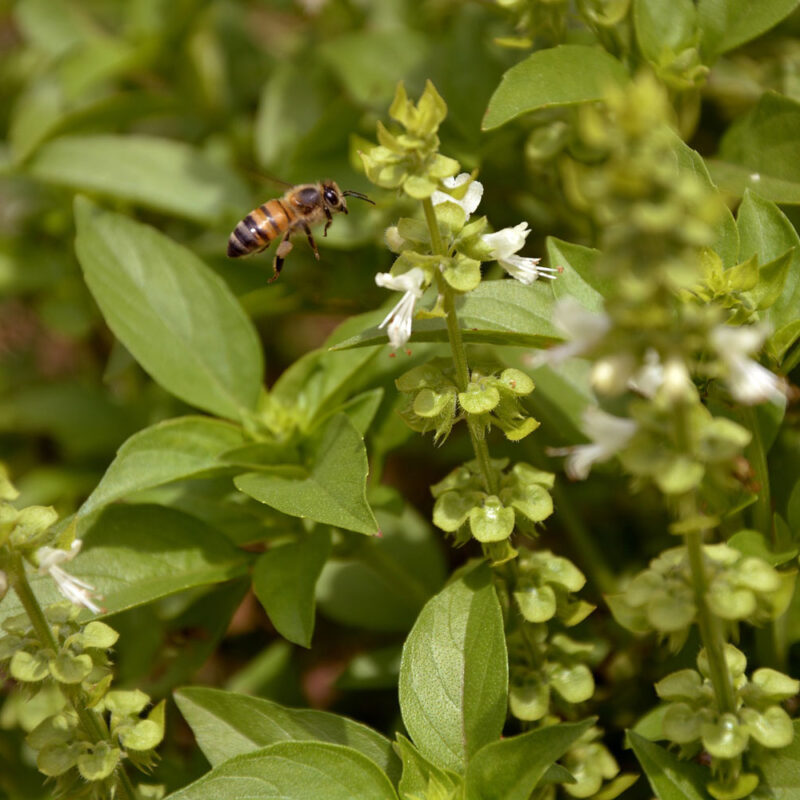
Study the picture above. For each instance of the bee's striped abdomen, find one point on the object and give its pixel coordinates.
(258, 229)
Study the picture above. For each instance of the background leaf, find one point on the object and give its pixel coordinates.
(136, 554)
(156, 173)
(726, 25)
(382, 583)
(293, 771)
(284, 579)
(454, 672)
(178, 319)
(227, 724)
(558, 76)
(762, 152)
(171, 450)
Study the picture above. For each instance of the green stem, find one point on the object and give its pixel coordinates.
(91, 722)
(709, 624)
(19, 582)
(458, 352)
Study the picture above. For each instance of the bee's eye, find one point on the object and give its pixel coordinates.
(331, 198)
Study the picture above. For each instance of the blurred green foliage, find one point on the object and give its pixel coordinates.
(186, 114)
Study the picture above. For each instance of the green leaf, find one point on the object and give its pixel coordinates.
(227, 724)
(370, 62)
(580, 277)
(670, 778)
(284, 579)
(663, 27)
(419, 773)
(753, 543)
(319, 381)
(454, 672)
(762, 151)
(726, 25)
(765, 231)
(497, 312)
(138, 553)
(381, 584)
(511, 768)
(177, 317)
(333, 489)
(293, 771)
(559, 76)
(161, 174)
(172, 450)
(781, 768)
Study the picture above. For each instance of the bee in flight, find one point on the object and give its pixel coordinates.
(298, 209)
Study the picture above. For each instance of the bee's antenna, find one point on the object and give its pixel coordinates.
(350, 193)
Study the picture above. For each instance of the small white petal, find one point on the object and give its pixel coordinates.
(48, 557)
(410, 281)
(507, 241)
(471, 199)
(747, 380)
(609, 435)
(650, 376)
(74, 589)
(400, 318)
(582, 329)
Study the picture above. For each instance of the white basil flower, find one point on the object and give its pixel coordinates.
(582, 330)
(74, 589)
(471, 199)
(609, 435)
(747, 380)
(503, 246)
(400, 317)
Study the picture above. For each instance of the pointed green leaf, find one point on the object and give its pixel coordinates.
(558, 76)
(177, 317)
(172, 450)
(419, 773)
(161, 174)
(227, 724)
(138, 553)
(293, 771)
(670, 778)
(454, 672)
(726, 25)
(333, 490)
(284, 579)
(511, 768)
(765, 231)
(761, 152)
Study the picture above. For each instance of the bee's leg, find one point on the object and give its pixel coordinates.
(311, 241)
(330, 219)
(284, 248)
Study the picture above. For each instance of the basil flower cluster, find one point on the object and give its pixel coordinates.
(435, 403)
(464, 508)
(739, 587)
(692, 719)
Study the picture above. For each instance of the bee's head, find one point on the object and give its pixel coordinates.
(334, 197)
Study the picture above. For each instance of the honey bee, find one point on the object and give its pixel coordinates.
(298, 209)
